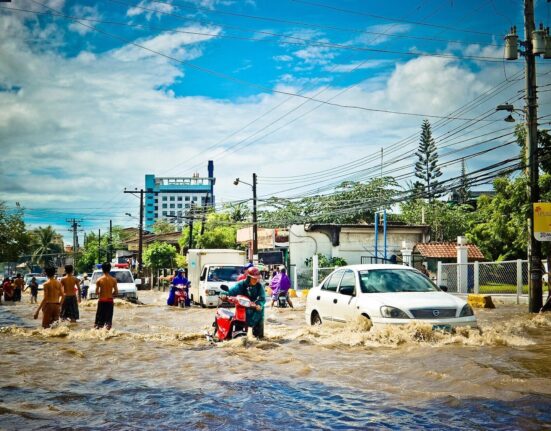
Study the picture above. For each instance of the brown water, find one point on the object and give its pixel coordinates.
(156, 370)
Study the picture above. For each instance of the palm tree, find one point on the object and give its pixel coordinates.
(44, 245)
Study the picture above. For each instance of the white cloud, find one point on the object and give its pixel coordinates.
(378, 34)
(357, 65)
(150, 9)
(284, 58)
(173, 43)
(83, 12)
(83, 128)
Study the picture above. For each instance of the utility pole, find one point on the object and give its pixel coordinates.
(255, 221)
(74, 226)
(204, 214)
(191, 215)
(99, 245)
(110, 249)
(140, 227)
(534, 247)
(538, 42)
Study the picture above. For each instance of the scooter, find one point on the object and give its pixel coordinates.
(180, 295)
(282, 300)
(228, 324)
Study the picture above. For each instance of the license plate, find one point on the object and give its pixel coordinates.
(443, 328)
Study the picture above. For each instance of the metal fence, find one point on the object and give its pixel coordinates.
(504, 278)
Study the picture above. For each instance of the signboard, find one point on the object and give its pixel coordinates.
(542, 221)
(270, 257)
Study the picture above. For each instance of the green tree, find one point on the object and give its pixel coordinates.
(163, 226)
(45, 245)
(446, 221)
(352, 202)
(238, 212)
(88, 256)
(14, 238)
(159, 255)
(463, 191)
(220, 231)
(426, 167)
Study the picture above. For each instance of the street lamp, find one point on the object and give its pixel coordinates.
(255, 224)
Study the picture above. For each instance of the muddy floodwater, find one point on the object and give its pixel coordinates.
(156, 370)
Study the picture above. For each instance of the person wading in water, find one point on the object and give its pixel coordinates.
(50, 304)
(106, 287)
(71, 285)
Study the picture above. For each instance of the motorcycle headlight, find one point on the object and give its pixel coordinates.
(393, 312)
(244, 302)
(466, 311)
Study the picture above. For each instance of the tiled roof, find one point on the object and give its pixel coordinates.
(447, 250)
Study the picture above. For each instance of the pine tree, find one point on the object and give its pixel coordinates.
(426, 168)
(463, 190)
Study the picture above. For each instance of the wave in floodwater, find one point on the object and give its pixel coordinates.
(514, 333)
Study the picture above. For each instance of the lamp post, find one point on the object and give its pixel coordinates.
(255, 224)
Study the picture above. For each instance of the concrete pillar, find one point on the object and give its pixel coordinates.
(476, 277)
(439, 274)
(407, 253)
(315, 271)
(462, 267)
(519, 280)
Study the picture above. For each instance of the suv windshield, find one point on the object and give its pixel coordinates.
(394, 280)
(121, 276)
(224, 273)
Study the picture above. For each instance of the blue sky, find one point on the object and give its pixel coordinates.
(161, 87)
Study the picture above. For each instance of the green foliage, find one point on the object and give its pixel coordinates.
(426, 167)
(44, 245)
(160, 255)
(463, 191)
(88, 256)
(163, 226)
(220, 231)
(238, 212)
(353, 202)
(14, 238)
(447, 221)
(326, 262)
(499, 225)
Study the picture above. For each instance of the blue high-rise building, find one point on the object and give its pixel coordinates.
(171, 198)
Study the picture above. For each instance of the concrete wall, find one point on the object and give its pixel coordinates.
(353, 243)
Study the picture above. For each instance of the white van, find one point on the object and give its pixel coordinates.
(208, 269)
(125, 283)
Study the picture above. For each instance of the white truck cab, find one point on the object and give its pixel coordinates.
(126, 284)
(209, 269)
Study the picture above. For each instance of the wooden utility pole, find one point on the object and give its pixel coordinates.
(534, 247)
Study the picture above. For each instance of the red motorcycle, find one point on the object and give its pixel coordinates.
(228, 324)
(180, 293)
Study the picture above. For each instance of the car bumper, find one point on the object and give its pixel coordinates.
(132, 295)
(451, 322)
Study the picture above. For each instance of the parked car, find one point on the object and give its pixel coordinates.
(385, 294)
(40, 281)
(125, 283)
(27, 277)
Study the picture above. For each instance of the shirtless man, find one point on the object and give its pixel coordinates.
(106, 287)
(19, 285)
(71, 285)
(50, 304)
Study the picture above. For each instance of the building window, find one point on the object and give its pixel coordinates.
(164, 213)
(172, 213)
(194, 198)
(179, 205)
(179, 213)
(172, 198)
(179, 198)
(164, 198)
(187, 199)
(187, 205)
(165, 205)
(172, 206)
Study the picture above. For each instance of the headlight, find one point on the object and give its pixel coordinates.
(466, 311)
(210, 292)
(393, 312)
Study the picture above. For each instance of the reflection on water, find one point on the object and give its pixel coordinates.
(156, 370)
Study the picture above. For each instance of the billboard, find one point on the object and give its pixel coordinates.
(270, 257)
(542, 221)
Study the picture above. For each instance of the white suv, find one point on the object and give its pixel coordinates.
(125, 283)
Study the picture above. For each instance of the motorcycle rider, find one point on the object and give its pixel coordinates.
(253, 289)
(280, 286)
(243, 274)
(179, 279)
